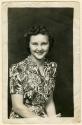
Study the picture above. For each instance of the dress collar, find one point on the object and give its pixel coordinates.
(31, 61)
(33, 66)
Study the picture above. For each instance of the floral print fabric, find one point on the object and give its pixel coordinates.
(26, 79)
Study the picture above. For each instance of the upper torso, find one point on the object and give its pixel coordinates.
(26, 79)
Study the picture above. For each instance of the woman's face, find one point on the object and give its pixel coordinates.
(39, 46)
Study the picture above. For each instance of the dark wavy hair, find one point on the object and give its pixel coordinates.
(38, 29)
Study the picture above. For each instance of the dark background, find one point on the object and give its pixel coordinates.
(59, 21)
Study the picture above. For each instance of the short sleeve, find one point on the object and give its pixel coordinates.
(14, 80)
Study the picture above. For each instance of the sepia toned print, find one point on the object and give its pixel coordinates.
(41, 66)
(37, 43)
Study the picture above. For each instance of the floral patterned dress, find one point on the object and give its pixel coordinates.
(26, 79)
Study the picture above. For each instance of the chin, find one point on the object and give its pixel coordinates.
(40, 57)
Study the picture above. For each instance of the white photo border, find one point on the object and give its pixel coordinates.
(76, 59)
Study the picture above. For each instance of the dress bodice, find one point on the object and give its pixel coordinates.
(26, 79)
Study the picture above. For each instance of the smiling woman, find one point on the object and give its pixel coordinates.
(32, 81)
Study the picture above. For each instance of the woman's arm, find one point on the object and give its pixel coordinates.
(19, 107)
(50, 108)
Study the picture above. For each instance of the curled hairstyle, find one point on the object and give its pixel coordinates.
(38, 29)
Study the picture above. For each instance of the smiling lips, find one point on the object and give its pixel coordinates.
(39, 52)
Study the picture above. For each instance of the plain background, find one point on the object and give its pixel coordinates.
(59, 21)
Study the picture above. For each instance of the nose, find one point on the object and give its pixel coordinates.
(39, 47)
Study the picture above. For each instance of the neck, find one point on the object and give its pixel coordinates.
(37, 61)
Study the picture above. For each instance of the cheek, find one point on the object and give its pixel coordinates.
(46, 48)
(32, 47)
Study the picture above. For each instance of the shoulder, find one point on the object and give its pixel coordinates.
(18, 67)
(52, 67)
(52, 64)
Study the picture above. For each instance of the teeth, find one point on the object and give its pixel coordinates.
(39, 53)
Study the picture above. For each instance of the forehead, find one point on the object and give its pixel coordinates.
(39, 37)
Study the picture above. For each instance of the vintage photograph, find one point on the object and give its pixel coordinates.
(40, 58)
(40, 63)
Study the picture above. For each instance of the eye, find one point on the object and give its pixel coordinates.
(34, 43)
(44, 43)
